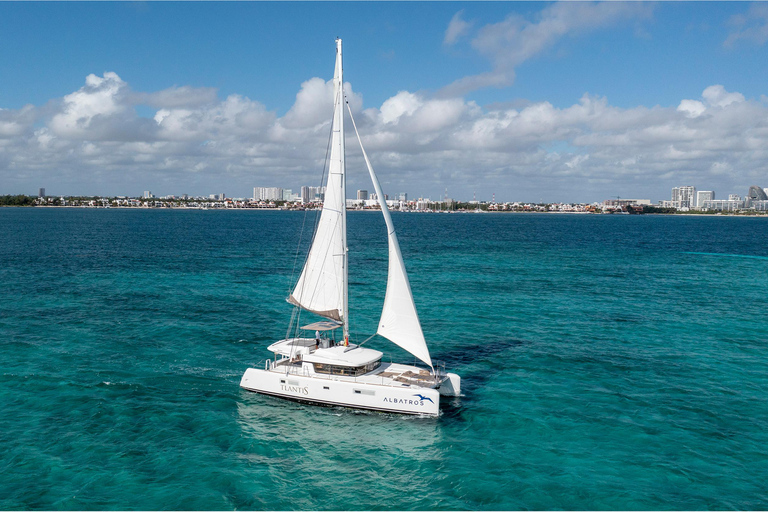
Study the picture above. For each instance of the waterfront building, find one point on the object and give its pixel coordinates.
(311, 194)
(704, 195)
(626, 202)
(684, 197)
(734, 197)
(362, 195)
(41, 192)
(318, 193)
(267, 194)
(754, 195)
(148, 194)
(723, 205)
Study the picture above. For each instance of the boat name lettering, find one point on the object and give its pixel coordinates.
(404, 401)
(295, 389)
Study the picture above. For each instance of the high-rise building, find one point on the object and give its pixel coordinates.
(41, 192)
(684, 197)
(267, 194)
(362, 195)
(317, 193)
(148, 194)
(704, 195)
(755, 194)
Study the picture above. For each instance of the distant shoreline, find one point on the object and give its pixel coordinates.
(68, 207)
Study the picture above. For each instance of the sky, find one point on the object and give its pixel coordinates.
(517, 101)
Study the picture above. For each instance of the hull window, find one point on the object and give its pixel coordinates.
(352, 371)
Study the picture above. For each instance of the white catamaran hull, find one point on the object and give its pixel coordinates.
(338, 392)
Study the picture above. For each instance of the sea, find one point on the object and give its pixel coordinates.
(608, 362)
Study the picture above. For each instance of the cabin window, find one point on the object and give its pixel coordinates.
(352, 371)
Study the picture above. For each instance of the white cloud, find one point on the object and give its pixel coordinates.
(404, 103)
(717, 96)
(713, 96)
(751, 27)
(515, 40)
(418, 143)
(99, 99)
(457, 28)
(314, 104)
(15, 122)
(178, 97)
(691, 108)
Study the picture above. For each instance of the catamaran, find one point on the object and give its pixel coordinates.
(322, 369)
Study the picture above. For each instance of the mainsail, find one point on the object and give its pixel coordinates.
(399, 321)
(322, 285)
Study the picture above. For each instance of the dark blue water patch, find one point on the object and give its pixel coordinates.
(727, 255)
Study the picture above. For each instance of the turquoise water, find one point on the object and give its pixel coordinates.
(608, 362)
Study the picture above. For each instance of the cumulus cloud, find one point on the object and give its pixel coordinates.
(101, 98)
(691, 108)
(15, 122)
(314, 104)
(717, 96)
(713, 96)
(511, 42)
(417, 143)
(178, 97)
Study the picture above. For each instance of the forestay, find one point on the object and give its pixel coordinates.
(399, 321)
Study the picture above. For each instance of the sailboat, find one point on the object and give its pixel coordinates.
(317, 364)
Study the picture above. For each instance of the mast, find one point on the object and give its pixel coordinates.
(339, 118)
(322, 285)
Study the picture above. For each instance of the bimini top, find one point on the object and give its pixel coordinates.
(344, 356)
(322, 326)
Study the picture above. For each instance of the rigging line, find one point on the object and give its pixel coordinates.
(365, 157)
(367, 339)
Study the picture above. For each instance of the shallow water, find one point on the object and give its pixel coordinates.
(608, 362)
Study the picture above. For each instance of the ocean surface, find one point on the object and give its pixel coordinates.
(608, 362)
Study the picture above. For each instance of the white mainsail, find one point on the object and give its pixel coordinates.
(322, 286)
(399, 321)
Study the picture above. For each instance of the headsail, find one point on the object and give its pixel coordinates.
(322, 286)
(399, 321)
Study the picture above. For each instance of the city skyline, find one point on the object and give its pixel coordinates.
(564, 102)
